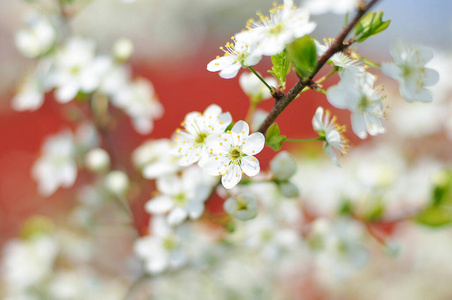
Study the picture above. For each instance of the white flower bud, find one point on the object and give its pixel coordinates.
(117, 182)
(97, 160)
(37, 38)
(289, 190)
(123, 49)
(254, 88)
(243, 207)
(283, 166)
(258, 118)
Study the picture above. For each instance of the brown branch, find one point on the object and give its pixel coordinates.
(336, 46)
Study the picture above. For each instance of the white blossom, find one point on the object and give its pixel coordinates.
(273, 33)
(236, 55)
(154, 158)
(77, 69)
(162, 249)
(410, 71)
(56, 167)
(233, 153)
(181, 197)
(340, 59)
(30, 95)
(26, 263)
(139, 101)
(37, 39)
(327, 128)
(191, 143)
(283, 166)
(358, 95)
(242, 206)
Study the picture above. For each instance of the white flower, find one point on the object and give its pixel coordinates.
(334, 6)
(155, 159)
(331, 132)
(242, 206)
(254, 88)
(272, 34)
(232, 153)
(30, 95)
(37, 39)
(191, 143)
(236, 56)
(358, 95)
(340, 59)
(139, 101)
(77, 69)
(56, 167)
(161, 250)
(115, 79)
(27, 263)
(410, 71)
(181, 196)
(283, 166)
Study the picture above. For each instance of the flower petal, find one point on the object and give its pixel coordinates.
(159, 205)
(253, 144)
(232, 176)
(250, 165)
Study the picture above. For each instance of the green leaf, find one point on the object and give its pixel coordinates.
(281, 67)
(303, 55)
(439, 212)
(274, 139)
(371, 24)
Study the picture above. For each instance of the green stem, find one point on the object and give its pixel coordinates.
(251, 110)
(261, 79)
(369, 62)
(305, 141)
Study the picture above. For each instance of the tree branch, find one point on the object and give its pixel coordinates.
(336, 46)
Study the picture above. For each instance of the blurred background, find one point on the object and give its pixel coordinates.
(174, 41)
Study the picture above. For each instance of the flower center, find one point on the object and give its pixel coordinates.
(169, 243)
(277, 29)
(180, 199)
(407, 70)
(363, 103)
(235, 154)
(201, 138)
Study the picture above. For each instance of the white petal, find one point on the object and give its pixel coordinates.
(317, 123)
(359, 124)
(232, 177)
(250, 165)
(391, 70)
(431, 77)
(177, 216)
(66, 93)
(230, 71)
(159, 205)
(220, 63)
(195, 209)
(254, 143)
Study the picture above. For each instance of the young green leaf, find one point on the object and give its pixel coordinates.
(281, 67)
(303, 55)
(274, 140)
(371, 24)
(439, 212)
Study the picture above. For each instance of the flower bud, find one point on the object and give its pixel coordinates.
(117, 182)
(123, 49)
(283, 166)
(254, 88)
(97, 160)
(289, 190)
(242, 207)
